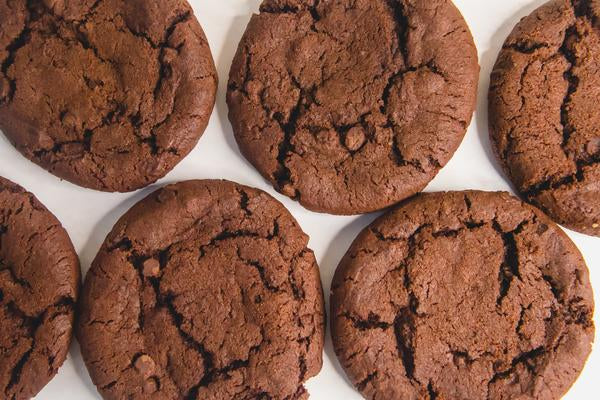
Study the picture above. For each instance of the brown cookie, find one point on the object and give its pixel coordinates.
(39, 282)
(110, 94)
(350, 106)
(544, 115)
(204, 290)
(464, 295)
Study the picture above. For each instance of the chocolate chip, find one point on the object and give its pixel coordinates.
(355, 138)
(150, 385)
(145, 365)
(151, 268)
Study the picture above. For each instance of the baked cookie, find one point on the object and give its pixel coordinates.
(544, 115)
(110, 94)
(39, 283)
(464, 295)
(204, 290)
(350, 106)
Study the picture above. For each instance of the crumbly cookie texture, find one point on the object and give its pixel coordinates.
(107, 94)
(39, 282)
(352, 106)
(464, 295)
(543, 111)
(204, 290)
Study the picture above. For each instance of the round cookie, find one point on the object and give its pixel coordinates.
(109, 95)
(204, 290)
(464, 295)
(39, 283)
(543, 111)
(352, 106)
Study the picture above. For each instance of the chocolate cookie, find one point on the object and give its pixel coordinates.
(110, 94)
(204, 290)
(464, 295)
(352, 106)
(39, 282)
(544, 115)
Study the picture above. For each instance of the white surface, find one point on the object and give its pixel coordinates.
(88, 216)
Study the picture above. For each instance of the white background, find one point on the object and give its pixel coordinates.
(88, 216)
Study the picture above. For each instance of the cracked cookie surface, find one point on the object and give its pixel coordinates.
(463, 295)
(543, 111)
(108, 94)
(39, 282)
(204, 290)
(350, 106)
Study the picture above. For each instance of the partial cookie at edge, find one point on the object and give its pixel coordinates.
(39, 282)
(543, 111)
(109, 95)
